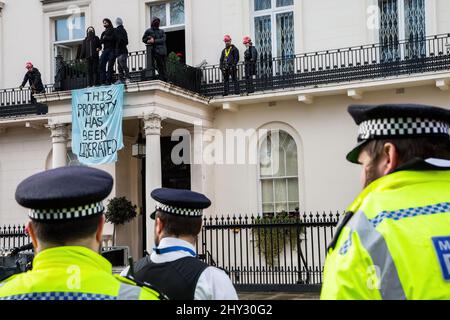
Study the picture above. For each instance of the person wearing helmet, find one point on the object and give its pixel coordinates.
(250, 57)
(228, 64)
(33, 77)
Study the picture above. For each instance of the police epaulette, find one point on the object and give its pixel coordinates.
(161, 295)
(340, 226)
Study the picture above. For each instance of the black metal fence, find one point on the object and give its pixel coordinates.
(16, 96)
(12, 237)
(281, 253)
(375, 61)
(73, 74)
(270, 253)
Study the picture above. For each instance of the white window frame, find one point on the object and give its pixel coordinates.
(272, 178)
(51, 13)
(169, 27)
(70, 42)
(272, 12)
(430, 10)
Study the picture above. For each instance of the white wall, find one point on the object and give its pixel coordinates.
(326, 180)
(23, 152)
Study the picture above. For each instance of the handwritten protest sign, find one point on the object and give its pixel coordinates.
(97, 124)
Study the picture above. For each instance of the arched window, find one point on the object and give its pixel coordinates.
(278, 173)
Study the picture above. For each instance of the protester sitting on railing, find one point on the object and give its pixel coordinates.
(156, 38)
(250, 58)
(33, 76)
(108, 40)
(122, 52)
(228, 64)
(89, 50)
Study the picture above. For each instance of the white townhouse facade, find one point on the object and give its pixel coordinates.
(316, 58)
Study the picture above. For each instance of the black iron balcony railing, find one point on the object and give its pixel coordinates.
(73, 74)
(17, 102)
(375, 61)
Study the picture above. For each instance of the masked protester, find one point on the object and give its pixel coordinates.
(250, 57)
(228, 64)
(108, 58)
(33, 77)
(90, 51)
(122, 52)
(156, 38)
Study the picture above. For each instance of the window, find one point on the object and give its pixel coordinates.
(273, 22)
(402, 20)
(171, 13)
(69, 33)
(279, 173)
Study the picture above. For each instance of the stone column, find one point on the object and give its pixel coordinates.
(153, 175)
(59, 134)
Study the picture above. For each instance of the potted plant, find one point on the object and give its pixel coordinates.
(118, 212)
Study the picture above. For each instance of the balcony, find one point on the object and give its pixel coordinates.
(310, 70)
(15, 102)
(339, 66)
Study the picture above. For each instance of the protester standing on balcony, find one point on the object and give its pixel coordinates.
(90, 52)
(108, 58)
(394, 241)
(66, 212)
(173, 266)
(122, 52)
(156, 38)
(228, 64)
(33, 77)
(250, 57)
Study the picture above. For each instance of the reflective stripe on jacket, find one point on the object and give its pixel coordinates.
(72, 273)
(386, 249)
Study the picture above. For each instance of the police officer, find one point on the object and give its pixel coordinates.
(173, 266)
(394, 241)
(67, 220)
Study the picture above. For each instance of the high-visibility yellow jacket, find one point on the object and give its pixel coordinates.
(395, 243)
(72, 273)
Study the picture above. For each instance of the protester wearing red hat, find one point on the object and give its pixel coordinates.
(250, 57)
(33, 77)
(228, 64)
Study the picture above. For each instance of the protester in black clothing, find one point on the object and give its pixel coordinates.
(33, 77)
(157, 39)
(250, 57)
(122, 52)
(89, 50)
(228, 64)
(108, 40)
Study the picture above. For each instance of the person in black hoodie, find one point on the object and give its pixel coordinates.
(122, 52)
(89, 50)
(157, 39)
(108, 40)
(228, 64)
(33, 77)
